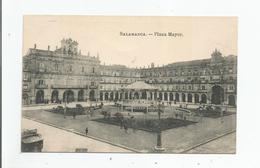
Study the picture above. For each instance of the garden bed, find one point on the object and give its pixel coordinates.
(150, 125)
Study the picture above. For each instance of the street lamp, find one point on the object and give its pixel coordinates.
(158, 146)
(65, 110)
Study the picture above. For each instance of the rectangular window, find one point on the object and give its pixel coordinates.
(25, 77)
(25, 87)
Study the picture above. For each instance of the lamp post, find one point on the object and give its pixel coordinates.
(66, 97)
(158, 146)
(65, 105)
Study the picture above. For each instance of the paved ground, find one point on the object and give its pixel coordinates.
(57, 140)
(175, 140)
(226, 142)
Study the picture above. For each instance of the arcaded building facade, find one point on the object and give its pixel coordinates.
(66, 74)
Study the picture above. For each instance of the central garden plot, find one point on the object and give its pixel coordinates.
(150, 125)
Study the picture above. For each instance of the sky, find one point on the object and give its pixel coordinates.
(199, 36)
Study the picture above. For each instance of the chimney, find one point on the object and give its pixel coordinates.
(34, 46)
(48, 48)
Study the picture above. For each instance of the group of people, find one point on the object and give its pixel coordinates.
(125, 123)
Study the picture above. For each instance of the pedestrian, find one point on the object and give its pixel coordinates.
(74, 114)
(86, 131)
(125, 127)
(121, 123)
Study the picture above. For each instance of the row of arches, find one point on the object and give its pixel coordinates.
(68, 96)
(178, 97)
(217, 96)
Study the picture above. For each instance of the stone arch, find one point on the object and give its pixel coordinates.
(39, 97)
(196, 98)
(155, 96)
(55, 96)
(81, 95)
(92, 96)
(116, 96)
(126, 95)
(231, 100)
(121, 96)
(151, 95)
(160, 96)
(171, 96)
(165, 96)
(112, 96)
(203, 98)
(177, 97)
(68, 96)
(190, 98)
(144, 95)
(101, 96)
(136, 95)
(25, 99)
(106, 95)
(183, 96)
(131, 95)
(217, 96)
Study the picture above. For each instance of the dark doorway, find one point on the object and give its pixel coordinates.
(231, 100)
(183, 97)
(203, 98)
(217, 96)
(189, 98)
(106, 96)
(68, 96)
(126, 95)
(116, 96)
(166, 96)
(177, 99)
(81, 95)
(92, 95)
(197, 99)
(144, 95)
(171, 96)
(111, 96)
(160, 96)
(101, 96)
(25, 99)
(136, 95)
(55, 96)
(39, 96)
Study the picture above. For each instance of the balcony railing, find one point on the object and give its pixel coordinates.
(93, 87)
(41, 86)
(68, 86)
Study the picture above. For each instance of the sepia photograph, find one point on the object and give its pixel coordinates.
(129, 84)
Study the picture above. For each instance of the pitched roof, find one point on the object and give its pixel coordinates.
(140, 85)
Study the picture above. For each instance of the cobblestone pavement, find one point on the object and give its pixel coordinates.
(225, 143)
(174, 140)
(57, 140)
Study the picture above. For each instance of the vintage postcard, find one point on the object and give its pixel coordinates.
(129, 84)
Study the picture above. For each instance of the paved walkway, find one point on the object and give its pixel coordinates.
(57, 140)
(225, 143)
(174, 140)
